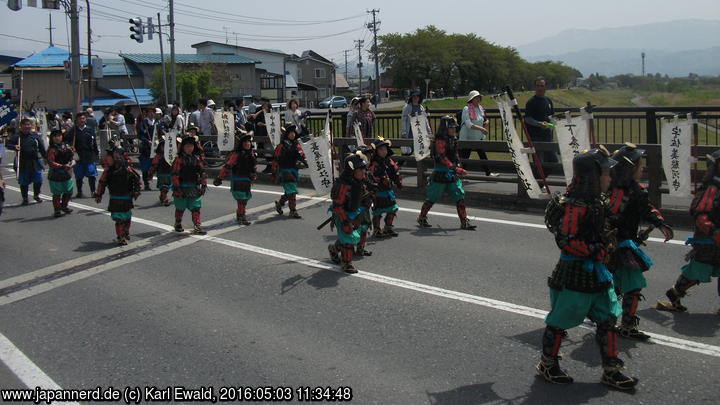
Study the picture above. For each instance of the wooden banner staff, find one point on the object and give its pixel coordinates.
(536, 158)
(589, 109)
(693, 118)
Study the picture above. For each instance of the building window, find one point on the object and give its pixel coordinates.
(319, 73)
(271, 82)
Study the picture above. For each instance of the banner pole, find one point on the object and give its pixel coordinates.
(591, 122)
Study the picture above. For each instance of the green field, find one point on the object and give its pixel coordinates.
(576, 97)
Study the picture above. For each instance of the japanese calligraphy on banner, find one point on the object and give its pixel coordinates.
(225, 123)
(42, 123)
(170, 145)
(573, 137)
(676, 137)
(515, 147)
(272, 121)
(358, 134)
(317, 151)
(7, 111)
(421, 136)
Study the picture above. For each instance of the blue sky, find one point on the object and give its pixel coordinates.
(507, 23)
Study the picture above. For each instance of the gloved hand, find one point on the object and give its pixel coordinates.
(217, 182)
(460, 171)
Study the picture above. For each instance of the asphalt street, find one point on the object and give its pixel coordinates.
(435, 316)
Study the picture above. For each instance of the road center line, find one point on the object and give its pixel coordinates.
(30, 374)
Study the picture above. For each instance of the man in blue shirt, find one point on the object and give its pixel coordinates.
(30, 149)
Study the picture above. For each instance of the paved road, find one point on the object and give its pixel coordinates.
(435, 316)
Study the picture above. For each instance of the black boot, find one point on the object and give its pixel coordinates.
(91, 184)
(606, 338)
(36, 192)
(549, 365)
(613, 377)
(78, 185)
(24, 193)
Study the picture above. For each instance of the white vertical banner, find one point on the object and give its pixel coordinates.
(317, 152)
(515, 147)
(225, 123)
(42, 123)
(272, 122)
(676, 138)
(327, 128)
(104, 135)
(420, 129)
(155, 140)
(573, 138)
(358, 134)
(170, 145)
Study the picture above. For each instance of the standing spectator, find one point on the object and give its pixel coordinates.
(30, 149)
(91, 121)
(152, 123)
(128, 115)
(66, 123)
(175, 120)
(412, 108)
(53, 121)
(241, 116)
(83, 140)
(294, 116)
(538, 111)
(117, 122)
(193, 114)
(253, 106)
(258, 119)
(350, 117)
(205, 116)
(365, 117)
(474, 127)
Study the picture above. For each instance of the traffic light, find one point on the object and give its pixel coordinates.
(137, 29)
(52, 4)
(14, 5)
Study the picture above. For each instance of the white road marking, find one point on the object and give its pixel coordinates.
(61, 281)
(30, 374)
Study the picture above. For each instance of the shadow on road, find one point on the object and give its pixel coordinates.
(320, 280)
(93, 246)
(686, 324)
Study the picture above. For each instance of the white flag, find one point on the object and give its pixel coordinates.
(317, 152)
(515, 147)
(358, 134)
(272, 122)
(573, 137)
(42, 121)
(225, 124)
(326, 129)
(676, 137)
(421, 136)
(170, 146)
(155, 140)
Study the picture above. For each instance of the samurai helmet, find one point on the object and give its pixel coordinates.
(627, 157)
(290, 128)
(445, 123)
(353, 161)
(187, 141)
(379, 142)
(587, 168)
(713, 167)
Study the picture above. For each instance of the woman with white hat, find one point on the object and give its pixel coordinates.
(474, 127)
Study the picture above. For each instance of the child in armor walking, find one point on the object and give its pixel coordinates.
(241, 164)
(123, 184)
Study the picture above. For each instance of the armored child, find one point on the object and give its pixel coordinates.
(189, 184)
(288, 155)
(60, 160)
(241, 164)
(385, 173)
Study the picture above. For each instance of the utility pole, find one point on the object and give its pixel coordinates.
(374, 27)
(75, 55)
(50, 28)
(162, 59)
(346, 55)
(89, 56)
(171, 22)
(359, 44)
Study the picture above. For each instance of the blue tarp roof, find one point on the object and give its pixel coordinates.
(143, 95)
(51, 56)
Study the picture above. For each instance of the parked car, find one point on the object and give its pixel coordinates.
(334, 102)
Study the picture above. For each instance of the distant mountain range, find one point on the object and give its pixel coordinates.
(674, 48)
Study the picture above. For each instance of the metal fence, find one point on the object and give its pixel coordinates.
(612, 124)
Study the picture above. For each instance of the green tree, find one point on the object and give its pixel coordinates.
(192, 84)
